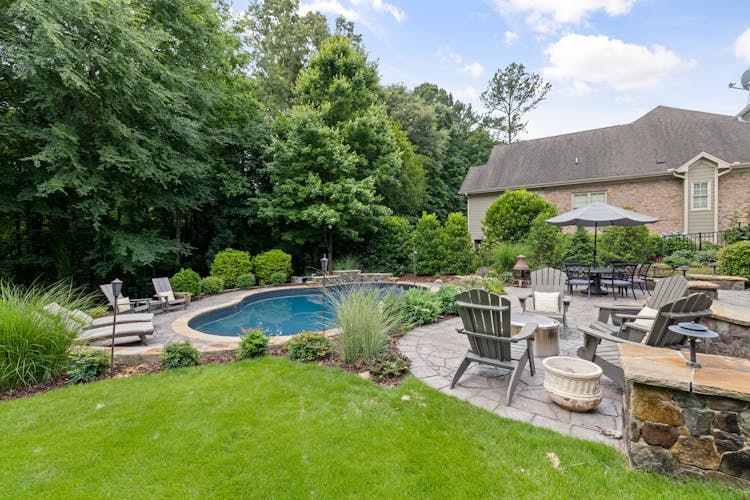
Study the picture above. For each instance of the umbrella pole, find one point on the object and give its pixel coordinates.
(595, 228)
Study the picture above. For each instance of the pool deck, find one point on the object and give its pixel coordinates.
(435, 352)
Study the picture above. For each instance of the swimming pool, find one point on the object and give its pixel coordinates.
(276, 312)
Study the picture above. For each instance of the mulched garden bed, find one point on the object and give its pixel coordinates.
(126, 371)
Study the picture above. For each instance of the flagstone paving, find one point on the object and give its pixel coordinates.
(436, 350)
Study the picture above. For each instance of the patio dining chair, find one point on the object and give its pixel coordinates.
(641, 277)
(577, 275)
(621, 279)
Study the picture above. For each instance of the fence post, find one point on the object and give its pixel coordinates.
(700, 241)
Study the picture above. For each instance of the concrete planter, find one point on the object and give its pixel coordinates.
(573, 383)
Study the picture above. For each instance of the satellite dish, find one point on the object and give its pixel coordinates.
(745, 80)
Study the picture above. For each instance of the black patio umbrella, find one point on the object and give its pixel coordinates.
(600, 214)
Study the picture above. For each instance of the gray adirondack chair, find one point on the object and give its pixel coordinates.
(666, 290)
(162, 287)
(486, 324)
(136, 305)
(600, 340)
(548, 280)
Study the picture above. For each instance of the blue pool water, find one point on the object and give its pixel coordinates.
(278, 312)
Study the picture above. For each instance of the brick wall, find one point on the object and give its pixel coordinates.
(658, 198)
(734, 196)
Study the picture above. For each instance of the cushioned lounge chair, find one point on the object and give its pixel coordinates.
(90, 330)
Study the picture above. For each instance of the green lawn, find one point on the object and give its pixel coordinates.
(275, 428)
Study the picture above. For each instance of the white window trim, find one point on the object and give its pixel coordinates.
(588, 197)
(709, 206)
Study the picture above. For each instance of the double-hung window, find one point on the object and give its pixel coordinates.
(700, 198)
(582, 199)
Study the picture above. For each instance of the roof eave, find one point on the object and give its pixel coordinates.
(598, 180)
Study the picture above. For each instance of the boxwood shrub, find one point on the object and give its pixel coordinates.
(212, 284)
(229, 264)
(179, 354)
(309, 346)
(272, 261)
(253, 343)
(186, 280)
(734, 259)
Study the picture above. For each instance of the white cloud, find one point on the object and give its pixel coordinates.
(330, 7)
(742, 46)
(445, 55)
(474, 70)
(546, 16)
(359, 11)
(466, 94)
(510, 38)
(380, 6)
(601, 60)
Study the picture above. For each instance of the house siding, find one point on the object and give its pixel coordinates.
(734, 196)
(477, 205)
(701, 221)
(660, 198)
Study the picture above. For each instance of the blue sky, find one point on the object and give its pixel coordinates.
(609, 61)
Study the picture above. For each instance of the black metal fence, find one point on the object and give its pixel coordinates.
(719, 237)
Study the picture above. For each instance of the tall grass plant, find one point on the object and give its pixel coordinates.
(504, 255)
(34, 343)
(364, 321)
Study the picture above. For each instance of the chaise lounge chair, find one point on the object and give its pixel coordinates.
(90, 330)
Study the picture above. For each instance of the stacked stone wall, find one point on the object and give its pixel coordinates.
(687, 434)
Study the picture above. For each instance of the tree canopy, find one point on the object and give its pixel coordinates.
(138, 137)
(511, 94)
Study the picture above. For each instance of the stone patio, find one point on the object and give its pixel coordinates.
(436, 350)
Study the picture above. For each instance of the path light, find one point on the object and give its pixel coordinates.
(116, 290)
(414, 256)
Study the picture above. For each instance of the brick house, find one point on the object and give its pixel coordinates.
(688, 168)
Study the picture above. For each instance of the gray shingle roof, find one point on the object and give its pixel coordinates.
(661, 139)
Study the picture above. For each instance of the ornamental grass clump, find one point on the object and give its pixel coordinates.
(34, 343)
(364, 320)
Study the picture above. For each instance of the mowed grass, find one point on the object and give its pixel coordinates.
(280, 429)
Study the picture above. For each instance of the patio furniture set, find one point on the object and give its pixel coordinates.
(134, 318)
(571, 382)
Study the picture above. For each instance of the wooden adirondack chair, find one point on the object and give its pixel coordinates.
(547, 280)
(133, 305)
(666, 290)
(486, 320)
(600, 340)
(168, 297)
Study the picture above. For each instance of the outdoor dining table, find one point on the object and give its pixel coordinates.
(595, 273)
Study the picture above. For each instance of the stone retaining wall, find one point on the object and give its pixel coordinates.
(683, 433)
(724, 282)
(353, 276)
(684, 420)
(733, 327)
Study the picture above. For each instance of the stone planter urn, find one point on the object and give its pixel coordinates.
(573, 383)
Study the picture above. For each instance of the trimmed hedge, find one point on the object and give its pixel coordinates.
(186, 280)
(734, 259)
(229, 264)
(273, 261)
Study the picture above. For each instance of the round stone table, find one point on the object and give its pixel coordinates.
(546, 339)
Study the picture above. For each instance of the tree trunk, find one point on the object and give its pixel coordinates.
(177, 236)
